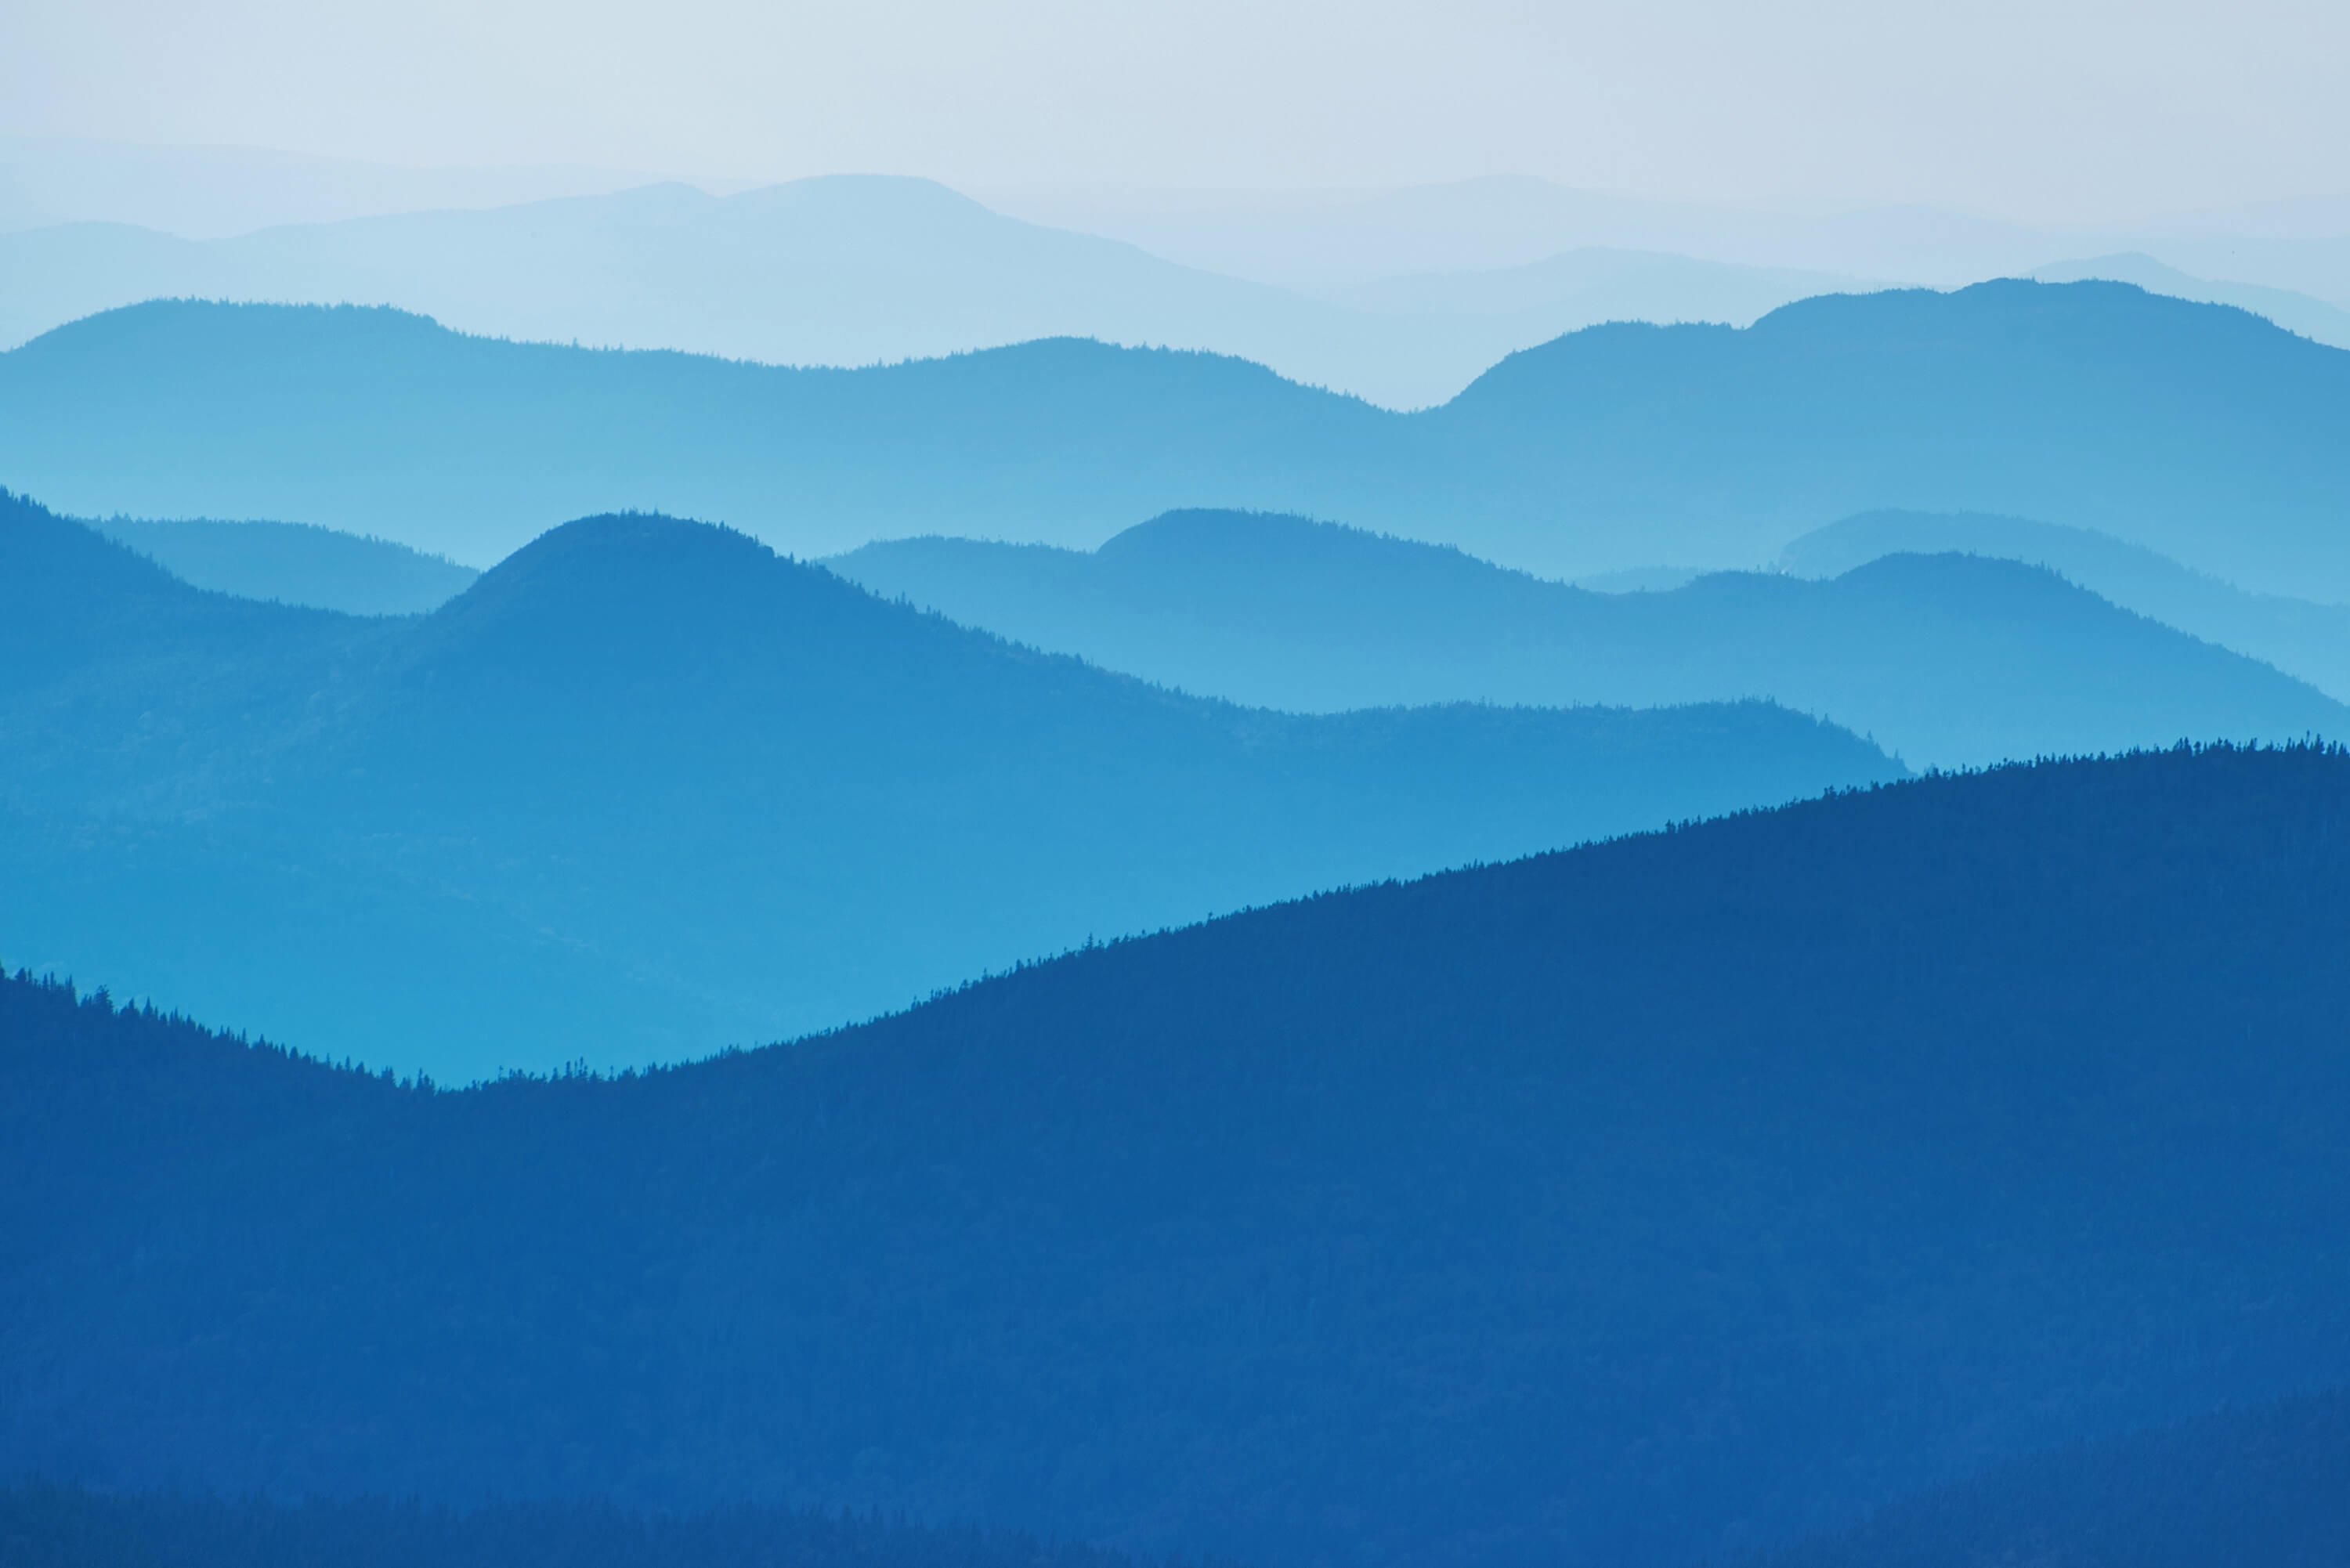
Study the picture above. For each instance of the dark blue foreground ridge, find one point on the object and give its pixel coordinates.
(1667, 1197)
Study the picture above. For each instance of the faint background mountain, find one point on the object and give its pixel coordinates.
(855, 270)
(647, 790)
(1329, 240)
(1945, 659)
(2196, 430)
(210, 192)
(1337, 238)
(860, 270)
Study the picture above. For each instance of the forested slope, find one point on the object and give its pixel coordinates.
(1664, 1198)
(47, 1526)
(648, 776)
(2258, 1488)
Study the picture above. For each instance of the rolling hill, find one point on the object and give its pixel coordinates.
(1945, 659)
(856, 270)
(1672, 1198)
(295, 563)
(2194, 429)
(2305, 639)
(2313, 318)
(647, 789)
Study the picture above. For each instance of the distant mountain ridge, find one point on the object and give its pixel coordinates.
(295, 564)
(2305, 639)
(2317, 319)
(647, 790)
(1672, 1199)
(1947, 660)
(851, 270)
(2196, 430)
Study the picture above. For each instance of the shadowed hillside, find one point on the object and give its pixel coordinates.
(68, 1527)
(2307, 639)
(295, 564)
(2261, 1488)
(648, 775)
(1665, 1199)
(2198, 431)
(1945, 659)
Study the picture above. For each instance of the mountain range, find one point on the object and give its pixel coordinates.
(2196, 430)
(2307, 640)
(2320, 320)
(1675, 1197)
(832, 875)
(295, 563)
(1312, 241)
(1947, 660)
(1334, 239)
(647, 789)
(858, 270)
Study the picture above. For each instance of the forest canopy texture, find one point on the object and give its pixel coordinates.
(1670, 1197)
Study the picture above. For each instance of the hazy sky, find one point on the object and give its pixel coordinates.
(2046, 108)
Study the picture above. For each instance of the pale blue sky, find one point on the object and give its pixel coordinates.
(2052, 109)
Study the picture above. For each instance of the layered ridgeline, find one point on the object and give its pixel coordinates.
(295, 564)
(1944, 660)
(2195, 430)
(647, 790)
(2304, 638)
(1660, 1199)
(860, 270)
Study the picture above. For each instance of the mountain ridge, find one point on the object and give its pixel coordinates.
(833, 270)
(2090, 404)
(1959, 1119)
(2307, 639)
(1947, 660)
(701, 793)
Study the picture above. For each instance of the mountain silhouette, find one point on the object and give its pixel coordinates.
(295, 563)
(1945, 659)
(859, 270)
(2194, 429)
(2312, 317)
(2308, 641)
(1669, 1198)
(647, 789)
